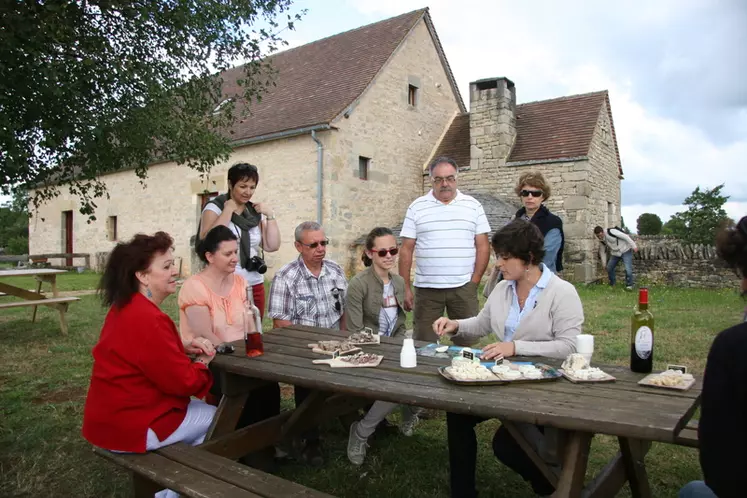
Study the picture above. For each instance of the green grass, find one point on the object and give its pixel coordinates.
(44, 378)
(70, 281)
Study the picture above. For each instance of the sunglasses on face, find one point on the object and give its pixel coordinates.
(336, 295)
(533, 193)
(314, 245)
(383, 252)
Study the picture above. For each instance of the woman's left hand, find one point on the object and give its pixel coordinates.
(498, 350)
(263, 208)
(200, 345)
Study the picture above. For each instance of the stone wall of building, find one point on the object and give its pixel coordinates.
(397, 138)
(382, 126)
(666, 261)
(585, 191)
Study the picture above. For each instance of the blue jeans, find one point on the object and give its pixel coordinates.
(627, 259)
(696, 489)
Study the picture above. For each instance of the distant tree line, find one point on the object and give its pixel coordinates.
(698, 224)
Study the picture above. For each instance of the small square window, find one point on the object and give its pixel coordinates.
(364, 163)
(412, 95)
(111, 228)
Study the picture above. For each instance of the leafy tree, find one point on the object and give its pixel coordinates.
(648, 224)
(93, 86)
(14, 224)
(704, 216)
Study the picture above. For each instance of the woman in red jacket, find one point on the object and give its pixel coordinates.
(142, 378)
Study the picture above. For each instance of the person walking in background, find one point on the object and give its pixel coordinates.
(374, 301)
(723, 408)
(447, 231)
(533, 190)
(254, 225)
(621, 247)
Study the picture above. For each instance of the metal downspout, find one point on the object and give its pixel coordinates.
(319, 175)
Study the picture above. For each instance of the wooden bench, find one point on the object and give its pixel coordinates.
(689, 435)
(58, 303)
(194, 472)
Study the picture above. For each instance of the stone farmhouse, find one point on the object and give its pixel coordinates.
(570, 140)
(345, 137)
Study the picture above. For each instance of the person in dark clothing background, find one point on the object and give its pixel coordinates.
(722, 434)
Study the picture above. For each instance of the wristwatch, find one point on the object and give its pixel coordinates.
(270, 217)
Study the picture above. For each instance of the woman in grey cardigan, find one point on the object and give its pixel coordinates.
(374, 300)
(531, 312)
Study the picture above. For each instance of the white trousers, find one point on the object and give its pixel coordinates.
(192, 431)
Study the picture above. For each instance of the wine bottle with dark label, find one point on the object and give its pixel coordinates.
(642, 335)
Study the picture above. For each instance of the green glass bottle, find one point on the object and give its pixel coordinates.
(642, 335)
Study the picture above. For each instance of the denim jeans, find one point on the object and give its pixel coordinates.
(627, 259)
(696, 489)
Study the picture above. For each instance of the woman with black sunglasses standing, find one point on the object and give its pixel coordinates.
(375, 301)
(533, 191)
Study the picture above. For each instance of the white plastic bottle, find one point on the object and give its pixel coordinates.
(408, 357)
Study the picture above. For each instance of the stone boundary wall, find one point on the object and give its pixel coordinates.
(666, 260)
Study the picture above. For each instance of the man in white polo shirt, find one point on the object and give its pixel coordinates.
(448, 233)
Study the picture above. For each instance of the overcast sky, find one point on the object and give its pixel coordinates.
(676, 72)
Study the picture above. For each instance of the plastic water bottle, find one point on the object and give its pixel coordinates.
(408, 357)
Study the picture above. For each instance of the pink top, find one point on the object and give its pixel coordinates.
(226, 312)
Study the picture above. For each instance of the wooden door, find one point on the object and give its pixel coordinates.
(68, 220)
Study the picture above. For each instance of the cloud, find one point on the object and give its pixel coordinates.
(675, 70)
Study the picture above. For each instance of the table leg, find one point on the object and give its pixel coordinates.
(575, 460)
(310, 406)
(38, 291)
(62, 308)
(633, 453)
(143, 487)
(227, 415)
(530, 452)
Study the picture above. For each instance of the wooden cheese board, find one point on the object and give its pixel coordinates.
(684, 385)
(577, 380)
(339, 362)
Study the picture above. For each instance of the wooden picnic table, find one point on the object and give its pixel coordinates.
(35, 299)
(636, 415)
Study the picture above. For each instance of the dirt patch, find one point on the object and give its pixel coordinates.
(286, 391)
(61, 395)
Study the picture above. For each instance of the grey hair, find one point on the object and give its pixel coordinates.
(306, 226)
(441, 160)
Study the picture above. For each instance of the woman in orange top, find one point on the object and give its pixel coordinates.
(211, 306)
(142, 379)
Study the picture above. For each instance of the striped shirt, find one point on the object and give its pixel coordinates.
(444, 239)
(304, 299)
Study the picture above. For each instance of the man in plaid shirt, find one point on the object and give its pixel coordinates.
(309, 291)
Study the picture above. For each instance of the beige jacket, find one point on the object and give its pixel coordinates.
(547, 330)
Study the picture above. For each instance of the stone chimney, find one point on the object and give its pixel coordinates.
(492, 121)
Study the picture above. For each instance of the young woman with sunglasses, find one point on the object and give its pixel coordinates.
(375, 300)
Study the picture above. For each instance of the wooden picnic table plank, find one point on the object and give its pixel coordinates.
(523, 404)
(175, 476)
(625, 377)
(283, 345)
(252, 480)
(30, 272)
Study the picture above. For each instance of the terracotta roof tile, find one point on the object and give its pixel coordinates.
(545, 130)
(557, 128)
(317, 81)
(455, 143)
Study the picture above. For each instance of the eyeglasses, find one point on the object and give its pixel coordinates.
(336, 295)
(439, 180)
(383, 252)
(314, 245)
(533, 193)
